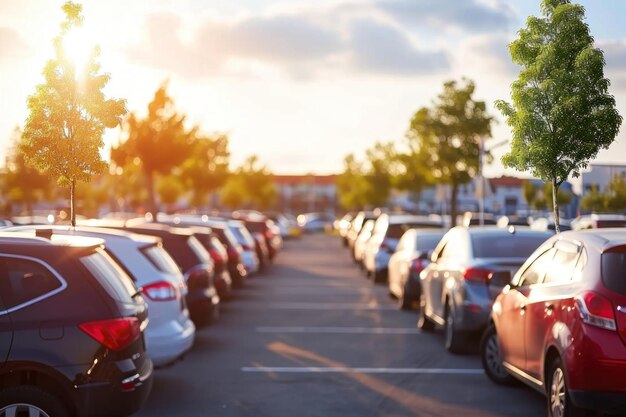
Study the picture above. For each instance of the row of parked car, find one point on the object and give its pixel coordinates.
(545, 309)
(87, 312)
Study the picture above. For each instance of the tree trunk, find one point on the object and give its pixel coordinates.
(555, 204)
(151, 194)
(72, 197)
(453, 203)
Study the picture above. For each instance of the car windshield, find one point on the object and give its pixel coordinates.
(614, 271)
(505, 246)
(395, 231)
(161, 259)
(110, 275)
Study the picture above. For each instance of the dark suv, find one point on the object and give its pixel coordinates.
(71, 330)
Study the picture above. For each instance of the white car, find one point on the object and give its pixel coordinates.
(170, 332)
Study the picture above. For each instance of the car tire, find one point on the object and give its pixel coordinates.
(25, 399)
(424, 322)
(557, 394)
(492, 359)
(454, 338)
(405, 302)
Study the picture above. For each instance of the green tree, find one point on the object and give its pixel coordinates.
(563, 197)
(561, 113)
(378, 173)
(23, 184)
(615, 198)
(446, 136)
(530, 192)
(160, 141)
(351, 184)
(68, 114)
(250, 186)
(594, 201)
(169, 189)
(206, 169)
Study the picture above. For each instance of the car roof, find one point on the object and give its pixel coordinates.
(30, 238)
(602, 239)
(501, 231)
(99, 232)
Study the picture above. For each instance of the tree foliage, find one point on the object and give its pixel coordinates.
(445, 137)
(612, 199)
(561, 114)
(206, 168)
(68, 114)
(160, 141)
(22, 183)
(250, 186)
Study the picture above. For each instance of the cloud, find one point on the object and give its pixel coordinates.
(487, 54)
(384, 49)
(300, 44)
(11, 45)
(467, 15)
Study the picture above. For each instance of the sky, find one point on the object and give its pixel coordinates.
(300, 83)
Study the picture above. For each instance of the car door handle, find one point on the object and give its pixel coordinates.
(548, 308)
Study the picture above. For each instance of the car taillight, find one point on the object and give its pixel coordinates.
(596, 310)
(268, 234)
(160, 291)
(233, 254)
(115, 334)
(477, 275)
(246, 247)
(418, 265)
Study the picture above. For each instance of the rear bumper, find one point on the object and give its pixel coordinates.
(167, 348)
(203, 305)
(103, 399)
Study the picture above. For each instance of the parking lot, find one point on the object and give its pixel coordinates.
(313, 337)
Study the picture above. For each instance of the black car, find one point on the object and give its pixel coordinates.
(71, 330)
(194, 261)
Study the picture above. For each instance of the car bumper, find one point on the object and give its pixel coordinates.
(103, 399)
(203, 305)
(168, 347)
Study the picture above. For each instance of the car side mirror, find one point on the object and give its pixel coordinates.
(500, 278)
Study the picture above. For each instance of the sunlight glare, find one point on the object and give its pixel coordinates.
(78, 48)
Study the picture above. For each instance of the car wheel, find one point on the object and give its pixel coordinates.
(424, 322)
(492, 359)
(405, 302)
(454, 338)
(32, 401)
(380, 277)
(559, 401)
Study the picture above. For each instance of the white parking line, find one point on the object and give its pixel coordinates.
(318, 369)
(330, 306)
(338, 330)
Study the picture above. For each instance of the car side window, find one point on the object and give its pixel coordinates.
(561, 268)
(537, 270)
(22, 281)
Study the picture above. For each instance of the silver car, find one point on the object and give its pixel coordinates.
(457, 289)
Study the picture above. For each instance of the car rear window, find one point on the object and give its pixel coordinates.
(395, 231)
(611, 223)
(505, 246)
(614, 271)
(161, 259)
(199, 250)
(427, 242)
(110, 275)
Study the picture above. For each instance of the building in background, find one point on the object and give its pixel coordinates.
(599, 175)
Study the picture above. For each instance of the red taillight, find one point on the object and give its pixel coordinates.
(477, 275)
(418, 265)
(160, 291)
(596, 310)
(115, 334)
(246, 247)
(268, 234)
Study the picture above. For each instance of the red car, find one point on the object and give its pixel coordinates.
(560, 326)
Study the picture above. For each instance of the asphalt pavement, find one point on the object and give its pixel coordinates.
(312, 337)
